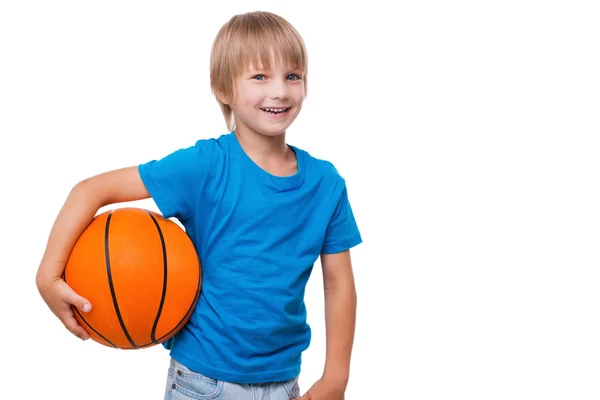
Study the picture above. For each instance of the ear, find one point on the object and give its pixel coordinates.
(223, 98)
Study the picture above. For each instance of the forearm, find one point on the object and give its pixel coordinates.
(340, 321)
(77, 212)
(82, 204)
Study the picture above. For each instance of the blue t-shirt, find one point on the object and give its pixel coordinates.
(257, 236)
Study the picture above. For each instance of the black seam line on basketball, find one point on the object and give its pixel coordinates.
(142, 346)
(111, 284)
(191, 309)
(165, 273)
(92, 328)
(87, 323)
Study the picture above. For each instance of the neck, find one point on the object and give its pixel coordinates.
(262, 146)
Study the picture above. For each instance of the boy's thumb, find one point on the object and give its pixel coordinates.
(81, 303)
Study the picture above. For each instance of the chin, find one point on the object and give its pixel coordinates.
(272, 133)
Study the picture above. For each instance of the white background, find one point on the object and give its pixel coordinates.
(467, 131)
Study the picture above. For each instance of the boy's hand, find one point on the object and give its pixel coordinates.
(59, 297)
(324, 390)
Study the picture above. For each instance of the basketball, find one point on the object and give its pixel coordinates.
(141, 273)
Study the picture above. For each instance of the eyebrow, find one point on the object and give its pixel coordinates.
(291, 69)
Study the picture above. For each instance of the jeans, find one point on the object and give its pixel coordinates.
(184, 384)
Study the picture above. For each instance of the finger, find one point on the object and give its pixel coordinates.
(78, 301)
(71, 324)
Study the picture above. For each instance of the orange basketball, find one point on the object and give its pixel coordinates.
(141, 273)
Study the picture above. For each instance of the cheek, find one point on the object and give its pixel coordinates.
(250, 98)
(299, 96)
(298, 92)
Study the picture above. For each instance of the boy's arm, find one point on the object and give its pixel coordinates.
(340, 315)
(340, 321)
(80, 207)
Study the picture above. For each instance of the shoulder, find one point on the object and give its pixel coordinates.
(204, 150)
(190, 159)
(210, 145)
(321, 170)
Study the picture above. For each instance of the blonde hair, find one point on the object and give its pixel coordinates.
(247, 39)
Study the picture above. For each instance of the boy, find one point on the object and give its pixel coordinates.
(260, 212)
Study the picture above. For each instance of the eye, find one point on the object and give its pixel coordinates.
(294, 77)
(259, 77)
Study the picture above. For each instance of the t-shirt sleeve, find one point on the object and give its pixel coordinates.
(342, 232)
(174, 182)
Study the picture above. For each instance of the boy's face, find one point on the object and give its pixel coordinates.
(267, 101)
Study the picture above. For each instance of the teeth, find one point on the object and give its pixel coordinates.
(275, 110)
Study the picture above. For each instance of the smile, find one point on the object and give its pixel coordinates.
(276, 112)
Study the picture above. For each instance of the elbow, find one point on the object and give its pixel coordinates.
(88, 191)
(343, 286)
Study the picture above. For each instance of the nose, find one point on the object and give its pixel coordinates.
(278, 89)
